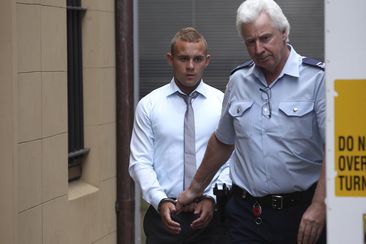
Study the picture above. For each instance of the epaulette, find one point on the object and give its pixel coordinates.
(242, 66)
(313, 62)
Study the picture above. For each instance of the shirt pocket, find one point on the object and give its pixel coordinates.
(298, 119)
(242, 118)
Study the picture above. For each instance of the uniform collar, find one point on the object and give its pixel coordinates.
(292, 66)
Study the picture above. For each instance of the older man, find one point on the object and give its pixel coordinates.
(274, 117)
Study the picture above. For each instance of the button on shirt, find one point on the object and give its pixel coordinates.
(283, 152)
(157, 142)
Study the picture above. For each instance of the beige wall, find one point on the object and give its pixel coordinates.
(8, 157)
(38, 205)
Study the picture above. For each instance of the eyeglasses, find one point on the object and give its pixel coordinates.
(266, 97)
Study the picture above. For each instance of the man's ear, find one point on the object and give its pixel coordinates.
(208, 59)
(284, 35)
(169, 58)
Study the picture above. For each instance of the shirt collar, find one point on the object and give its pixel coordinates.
(201, 88)
(292, 65)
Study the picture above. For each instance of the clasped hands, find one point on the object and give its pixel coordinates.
(203, 207)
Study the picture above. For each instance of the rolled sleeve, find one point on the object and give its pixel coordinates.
(225, 131)
(320, 107)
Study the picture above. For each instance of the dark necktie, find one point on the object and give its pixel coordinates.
(189, 141)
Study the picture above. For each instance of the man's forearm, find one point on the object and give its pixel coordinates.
(319, 195)
(217, 153)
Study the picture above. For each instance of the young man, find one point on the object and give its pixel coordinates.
(162, 143)
(274, 114)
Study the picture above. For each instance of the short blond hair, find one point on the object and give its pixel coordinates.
(188, 34)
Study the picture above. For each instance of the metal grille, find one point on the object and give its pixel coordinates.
(75, 89)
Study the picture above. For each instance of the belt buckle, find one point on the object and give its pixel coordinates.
(277, 202)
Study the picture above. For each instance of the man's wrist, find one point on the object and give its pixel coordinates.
(208, 197)
(164, 200)
(196, 188)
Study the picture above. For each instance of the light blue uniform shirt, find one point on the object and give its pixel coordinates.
(283, 153)
(157, 142)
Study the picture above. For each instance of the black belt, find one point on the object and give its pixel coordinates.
(277, 201)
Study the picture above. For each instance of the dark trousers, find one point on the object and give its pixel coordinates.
(277, 227)
(156, 233)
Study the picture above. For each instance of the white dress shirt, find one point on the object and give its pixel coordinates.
(157, 142)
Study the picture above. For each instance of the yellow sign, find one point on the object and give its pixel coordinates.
(350, 138)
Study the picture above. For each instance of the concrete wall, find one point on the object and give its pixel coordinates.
(38, 205)
(8, 161)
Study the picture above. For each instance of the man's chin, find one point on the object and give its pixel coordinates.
(263, 62)
(191, 79)
(266, 65)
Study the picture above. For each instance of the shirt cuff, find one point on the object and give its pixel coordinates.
(157, 197)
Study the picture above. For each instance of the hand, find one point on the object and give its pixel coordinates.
(166, 211)
(185, 198)
(189, 208)
(205, 210)
(312, 224)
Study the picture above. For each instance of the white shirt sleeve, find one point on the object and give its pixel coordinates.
(141, 158)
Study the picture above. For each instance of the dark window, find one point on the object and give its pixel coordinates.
(76, 149)
(215, 19)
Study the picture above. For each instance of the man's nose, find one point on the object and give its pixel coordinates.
(190, 64)
(258, 47)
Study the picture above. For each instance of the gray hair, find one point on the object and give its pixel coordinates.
(249, 11)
